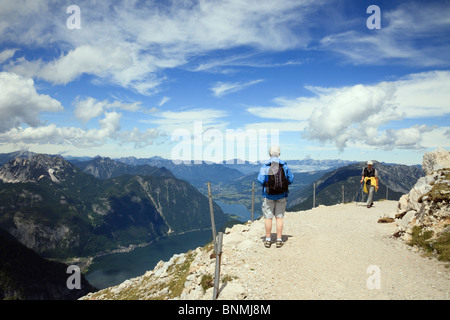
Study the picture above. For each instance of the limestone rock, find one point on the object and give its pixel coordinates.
(428, 202)
(435, 160)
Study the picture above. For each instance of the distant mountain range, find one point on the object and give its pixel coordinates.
(55, 208)
(80, 207)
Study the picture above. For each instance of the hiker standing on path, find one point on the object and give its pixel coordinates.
(370, 179)
(275, 192)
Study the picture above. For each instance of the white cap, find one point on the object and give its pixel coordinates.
(274, 151)
(370, 162)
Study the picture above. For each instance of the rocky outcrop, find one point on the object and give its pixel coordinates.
(436, 160)
(189, 276)
(427, 205)
(36, 168)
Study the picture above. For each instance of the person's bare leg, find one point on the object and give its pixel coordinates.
(268, 228)
(279, 228)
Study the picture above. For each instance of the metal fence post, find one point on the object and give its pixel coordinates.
(253, 199)
(211, 210)
(314, 195)
(218, 252)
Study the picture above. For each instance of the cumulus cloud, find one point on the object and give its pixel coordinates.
(21, 106)
(21, 103)
(88, 108)
(341, 114)
(109, 128)
(140, 139)
(364, 113)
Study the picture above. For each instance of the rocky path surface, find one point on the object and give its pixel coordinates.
(334, 252)
(330, 252)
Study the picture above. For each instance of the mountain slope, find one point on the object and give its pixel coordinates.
(59, 211)
(25, 275)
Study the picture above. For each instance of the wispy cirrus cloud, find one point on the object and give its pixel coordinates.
(411, 34)
(7, 54)
(163, 101)
(168, 121)
(139, 40)
(220, 89)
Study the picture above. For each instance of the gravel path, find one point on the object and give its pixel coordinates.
(327, 253)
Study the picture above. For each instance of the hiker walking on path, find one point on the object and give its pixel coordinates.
(370, 180)
(275, 192)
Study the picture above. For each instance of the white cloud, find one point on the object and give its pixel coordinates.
(7, 54)
(169, 121)
(281, 126)
(287, 109)
(21, 103)
(88, 108)
(109, 126)
(140, 139)
(413, 34)
(367, 113)
(131, 42)
(351, 113)
(105, 62)
(163, 101)
(109, 130)
(424, 94)
(222, 88)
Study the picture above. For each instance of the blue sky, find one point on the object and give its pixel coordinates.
(136, 73)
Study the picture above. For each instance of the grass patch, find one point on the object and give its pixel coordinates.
(440, 245)
(180, 272)
(207, 282)
(421, 239)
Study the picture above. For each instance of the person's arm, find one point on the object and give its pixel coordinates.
(289, 175)
(362, 178)
(262, 177)
(376, 178)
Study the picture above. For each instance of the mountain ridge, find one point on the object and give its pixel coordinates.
(59, 211)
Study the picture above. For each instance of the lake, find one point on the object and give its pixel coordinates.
(113, 269)
(240, 211)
